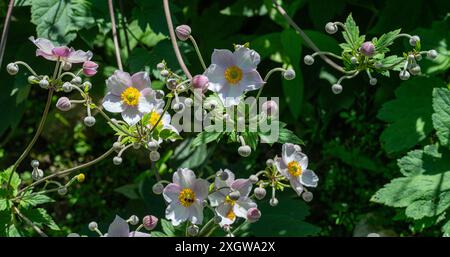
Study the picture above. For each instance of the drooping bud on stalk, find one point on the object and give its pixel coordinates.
(289, 74)
(134, 220)
(373, 81)
(44, 83)
(273, 202)
(367, 49)
(183, 32)
(34, 164)
(154, 156)
(93, 226)
(160, 66)
(404, 75)
(253, 179)
(63, 104)
(158, 188)
(244, 150)
(336, 88)
(413, 40)
(89, 121)
(260, 193)
(193, 230)
(200, 82)
(253, 215)
(308, 59)
(150, 222)
(307, 196)
(67, 66)
(432, 54)
(222, 175)
(331, 28)
(12, 68)
(90, 68)
(37, 174)
(67, 87)
(117, 160)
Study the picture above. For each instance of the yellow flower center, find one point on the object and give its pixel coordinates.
(294, 168)
(153, 119)
(230, 215)
(130, 96)
(186, 197)
(233, 74)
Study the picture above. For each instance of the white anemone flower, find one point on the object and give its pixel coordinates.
(51, 52)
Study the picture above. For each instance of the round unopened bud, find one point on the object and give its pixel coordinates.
(134, 220)
(415, 70)
(77, 80)
(244, 150)
(154, 156)
(373, 81)
(354, 60)
(34, 164)
(222, 175)
(81, 177)
(153, 145)
(62, 190)
(404, 75)
(44, 83)
(273, 202)
(367, 49)
(136, 145)
(160, 66)
(307, 196)
(90, 68)
(188, 102)
(378, 65)
(67, 87)
(234, 195)
(308, 59)
(12, 68)
(413, 40)
(297, 148)
(253, 215)
(253, 179)
(336, 88)
(178, 107)
(418, 57)
(117, 160)
(171, 84)
(200, 82)
(260, 193)
(269, 162)
(270, 107)
(157, 188)
(289, 74)
(164, 73)
(93, 226)
(63, 104)
(32, 79)
(331, 28)
(87, 85)
(89, 121)
(37, 174)
(192, 230)
(432, 54)
(159, 94)
(183, 32)
(67, 66)
(150, 222)
(117, 146)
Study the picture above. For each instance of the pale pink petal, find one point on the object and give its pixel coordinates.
(244, 186)
(176, 213)
(200, 189)
(132, 115)
(309, 178)
(141, 80)
(196, 213)
(184, 177)
(113, 103)
(171, 192)
(244, 59)
(118, 82)
(79, 56)
(241, 207)
(223, 57)
(251, 81)
(216, 77)
(45, 45)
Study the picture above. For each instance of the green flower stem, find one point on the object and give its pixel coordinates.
(67, 73)
(161, 116)
(403, 35)
(28, 67)
(206, 228)
(239, 227)
(348, 77)
(124, 149)
(327, 53)
(58, 63)
(197, 50)
(266, 78)
(112, 122)
(29, 222)
(67, 171)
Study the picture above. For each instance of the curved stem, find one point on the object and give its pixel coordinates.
(308, 41)
(266, 78)
(112, 122)
(28, 67)
(5, 30)
(114, 32)
(199, 54)
(161, 116)
(327, 53)
(174, 39)
(347, 77)
(29, 222)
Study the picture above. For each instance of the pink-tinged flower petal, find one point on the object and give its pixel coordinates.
(219, 183)
(138, 234)
(244, 186)
(171, 192)
(141, 80)
(118, 82)
(47, 56)
(118, 228)
(251, 81)
(45, 46)
(200, 189)
(90, 68)
(309, 178)
(144, 105)
(296, 185)
(196, 213)
(241, 207)
(281, 166)
(176, 213)
(113, 103)
(184, 177)
(290, 153)
(230, 95)
(132, 115)
(79, 56)
(223, 57)
(223, 210)
(216, 77)
(61, 51)
(245, 59)
(218, 197)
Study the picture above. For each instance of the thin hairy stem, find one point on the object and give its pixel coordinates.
(197, 50)
(29, 222)
(112, 122)
(161, 116)
(114, 33)
(27, 66)
(124, 25)
(5, 30)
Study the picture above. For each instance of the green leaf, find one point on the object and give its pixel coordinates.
(381, 45)
(35, 200)
(354, 157)
(206, 137)
(40, 217)
(246, 9)
(351, 34)
(394, 62)
(287, 136)
(158, 234)
(130, 191)
(189, 157)
(409, 115)
(167, 227)
(441, 115)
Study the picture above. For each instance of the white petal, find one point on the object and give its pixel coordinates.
(43, 44)
(219, 183)
(251, 81)
(281, 166)
(223, 210)
(241, 207)
(244, 186)
(79, 56)
(113, 103)
(184, 177)
(132, 115)
(216, 77)
(309, 178)
(200, 189)
(118, 82)
(230, 94)
(296, 185)
(290, 153)
(141, 80)
(171, 192)
(176, 213)
(218, 197)
(223, 57)
(244, 59)
(196, 213)
(144, 105)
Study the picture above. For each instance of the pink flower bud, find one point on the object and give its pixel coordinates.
(183, 32)
(200, 82)
(367, 49)
(63, 104)
(89, 68)
(270, 107)
(253, 215)
(61, 51)
(150, 222)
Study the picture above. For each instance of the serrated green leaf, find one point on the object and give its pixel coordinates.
(206, 137)
(287, 136)
(351, 34)
(381, 45)
(35, 200)
(40, 217)
(158, 234)
(167, 227)
(441, 115)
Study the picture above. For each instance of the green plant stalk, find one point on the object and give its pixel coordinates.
(206, 227)
(197, 50)
(29, 222)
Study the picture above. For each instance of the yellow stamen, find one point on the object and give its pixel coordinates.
(186, 197)
(153, 118)
(294, 168)
(130, 96)
(230, 215)
(233, 74)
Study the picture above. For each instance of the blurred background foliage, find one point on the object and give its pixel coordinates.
(353, 139)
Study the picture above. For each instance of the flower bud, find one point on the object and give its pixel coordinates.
(62, 190)
(150, 222)
(81, 177)
(188, 102)
(367, 49)
(67, 66)
(159, 94)
(12, 68)
(37, 174)
(63, 104)
(178, 107)
(153, 145)
(32, 79)
(234, 195)
(289, 74)
(418, 57)
(222, 175)
(307, 196)
(77, 80)
(270, 108)
(253, 215)
(413, 40)
(44, 83)
(260, 193)
(93, 226)
(193, 230)
(157, 188)
(117, 146)
(354, 60)
(89, 121)
(336, 88)
(253, 179)
(67, 87)
(373, 81)
(308, 59)
(297, 148)
(415, 70)
(244, 150)
(404, 75)
(171, 84)
(34, 164)
(432, 54)
(269, 162)
(331, 28)
(183, 32)
(160, 66)
(89, 68)
(164, 73)
(134, 220)
(273, 202)
(117, 160)
(200, 82)
(154, 156)
(87, 85)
